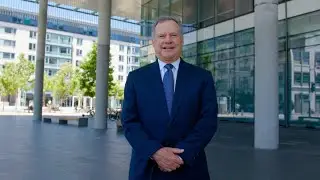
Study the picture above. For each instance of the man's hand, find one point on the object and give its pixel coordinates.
(167, 159)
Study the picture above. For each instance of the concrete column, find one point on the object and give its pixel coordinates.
(41, 42)
(266, 134)
(102, 64)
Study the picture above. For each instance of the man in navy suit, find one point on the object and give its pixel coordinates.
(169, 112)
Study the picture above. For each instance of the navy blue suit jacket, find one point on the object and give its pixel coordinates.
(148, 126)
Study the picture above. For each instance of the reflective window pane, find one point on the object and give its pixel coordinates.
(225, 10)
(206, 12)
(243, 7)
(206, 46)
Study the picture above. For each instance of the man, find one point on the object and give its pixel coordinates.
(169, 112)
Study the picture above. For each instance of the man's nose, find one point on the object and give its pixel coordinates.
(168, 39)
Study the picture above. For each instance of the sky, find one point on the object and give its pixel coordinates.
(66, 14)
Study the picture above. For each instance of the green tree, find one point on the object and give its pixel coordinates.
(63, 82)
(47, 83)
(88, 74)
(117, 91)
(25, 70)
(16, 75)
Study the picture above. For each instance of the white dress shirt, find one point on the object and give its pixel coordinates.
(175, 69)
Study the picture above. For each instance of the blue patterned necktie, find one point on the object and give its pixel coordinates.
(168, 84)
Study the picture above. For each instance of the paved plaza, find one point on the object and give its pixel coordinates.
(38, 151)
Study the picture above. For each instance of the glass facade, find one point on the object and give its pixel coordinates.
(60, 25)
(231, 56)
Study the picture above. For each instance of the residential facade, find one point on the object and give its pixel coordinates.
(66, 42)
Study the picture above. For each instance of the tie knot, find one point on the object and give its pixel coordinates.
(168, 66)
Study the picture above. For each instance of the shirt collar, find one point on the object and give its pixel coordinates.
(175, 64)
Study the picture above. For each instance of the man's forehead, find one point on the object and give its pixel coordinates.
(167, 29)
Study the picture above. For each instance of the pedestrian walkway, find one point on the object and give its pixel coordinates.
(35, 151)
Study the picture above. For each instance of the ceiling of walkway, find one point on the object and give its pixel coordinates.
(130, 9)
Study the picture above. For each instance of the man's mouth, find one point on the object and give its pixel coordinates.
(168, 48)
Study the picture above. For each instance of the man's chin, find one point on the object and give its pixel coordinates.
(170, 57)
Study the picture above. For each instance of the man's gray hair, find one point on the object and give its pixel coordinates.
(163, 19)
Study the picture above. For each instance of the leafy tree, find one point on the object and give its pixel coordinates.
(15, 76)
(117, 91)
(9, 84)
(144, 63)
(47, 83)
(88, 74)
(63, 81)
(25, 70)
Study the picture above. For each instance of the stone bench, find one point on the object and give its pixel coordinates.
(66, 120)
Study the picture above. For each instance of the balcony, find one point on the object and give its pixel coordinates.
(59, 55)
(57, 42)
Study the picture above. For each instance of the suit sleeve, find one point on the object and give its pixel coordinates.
(141, 143)
(205, 127)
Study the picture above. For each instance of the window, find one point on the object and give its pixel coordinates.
(190, 50)
(243, 6)
(64, 50)
(32, 46)
(120, 78)
(224, 42)
(120, 67)
(306, 58)
(296, 56)
(10, 30)
(79, 42)
(189, 12)
(225, 10)
(129, 60)
(306, 78)
(53, 61)
(121, 48)
(206, 46)
(317, 58)
(48, 37)
(121, 58)
(317, 79)
(297, 78)
(206, 13)
(136, 59)
(244, 37)
(135, 50)
(31, 58)
(49, 48)
(77, 63)
(6, 55)
(8, 43)
(129, 50)
(79, 52)
(33, 34)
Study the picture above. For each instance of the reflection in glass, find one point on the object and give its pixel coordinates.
(223, 77)
(206, 13)
(189, 18)
(225, 10)
(244, 93)
(243, 7)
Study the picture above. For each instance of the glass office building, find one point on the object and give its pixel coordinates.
(219, 36)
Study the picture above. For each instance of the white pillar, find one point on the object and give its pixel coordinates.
(266, 134)
(102, 64)
(41, 42)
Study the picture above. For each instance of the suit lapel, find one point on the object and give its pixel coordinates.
(181, 81)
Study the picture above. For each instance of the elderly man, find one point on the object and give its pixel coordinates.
(169, 112)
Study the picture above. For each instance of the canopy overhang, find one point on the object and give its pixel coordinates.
(129, 9)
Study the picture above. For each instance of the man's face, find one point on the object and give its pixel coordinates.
(167, 41)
